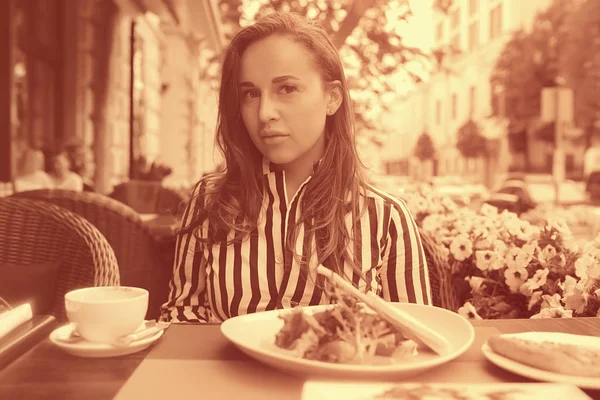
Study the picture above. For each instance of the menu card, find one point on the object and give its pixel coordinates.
(23, 337)
(9, 320)
(313, 390)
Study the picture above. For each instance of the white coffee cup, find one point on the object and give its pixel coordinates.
(104, 313)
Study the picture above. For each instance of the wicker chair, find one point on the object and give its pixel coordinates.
(142, 261)
(46, 251)
(440, 276)
(149, 197)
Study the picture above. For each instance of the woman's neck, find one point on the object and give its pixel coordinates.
(301, 168)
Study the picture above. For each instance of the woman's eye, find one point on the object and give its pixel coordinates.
(287, 89)
(251, 94)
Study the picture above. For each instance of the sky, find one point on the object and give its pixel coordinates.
(420, 28)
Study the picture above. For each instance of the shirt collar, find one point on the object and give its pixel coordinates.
(268, 167)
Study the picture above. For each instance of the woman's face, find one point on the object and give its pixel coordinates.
(284, 102)
(60, 165)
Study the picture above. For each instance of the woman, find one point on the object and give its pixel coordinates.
(32, 175)
(61, 173)
(292, 195)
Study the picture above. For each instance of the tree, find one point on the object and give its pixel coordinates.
(368, 34)
(424, 149)
(580, 61)
(528, 63)
(470, 142)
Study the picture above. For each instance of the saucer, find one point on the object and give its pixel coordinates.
(85, 348)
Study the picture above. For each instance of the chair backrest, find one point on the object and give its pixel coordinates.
(46, 251)
(148, 197)
(6, 189)
(440, 276)
(142, 262)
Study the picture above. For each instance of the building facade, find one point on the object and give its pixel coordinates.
(468, 41)
(120, 80)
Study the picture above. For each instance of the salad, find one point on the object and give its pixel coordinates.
(347, 333)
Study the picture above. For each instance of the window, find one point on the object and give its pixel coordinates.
(496, 22)
(472, 100)
(473, 35)
(455, 41)
(438, 112)
(439, 32)
(498, 102)
(473, 7)
(454, 106)
(455, 19)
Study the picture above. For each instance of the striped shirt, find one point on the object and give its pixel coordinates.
(212, 283)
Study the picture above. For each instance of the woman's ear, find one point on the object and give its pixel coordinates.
(334, 96)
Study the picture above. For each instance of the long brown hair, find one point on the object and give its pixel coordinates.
(232, 199)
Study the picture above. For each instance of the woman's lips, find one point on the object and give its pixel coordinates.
(274, 139)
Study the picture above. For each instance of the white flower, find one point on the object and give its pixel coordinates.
(557, 312)
(582, 265)
(475, 282)
(522, 230)
(515, 278)
(547, 254)
(551, 301)
(500, 247)
(461, 247)
(517, 258)
(488, 210)
(535, 282)
(463, 226)
(468, 311)
(431, 223)
(534, 299)
(568, 286)
(486, 259)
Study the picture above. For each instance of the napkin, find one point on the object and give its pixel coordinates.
(9, 320)
(313, 390)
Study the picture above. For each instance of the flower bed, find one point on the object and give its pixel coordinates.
(505, 267)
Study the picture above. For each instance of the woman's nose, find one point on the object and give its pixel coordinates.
(268, 110)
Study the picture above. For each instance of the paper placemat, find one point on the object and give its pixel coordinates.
(314, 390)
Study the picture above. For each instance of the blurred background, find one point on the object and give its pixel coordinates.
(493, 101)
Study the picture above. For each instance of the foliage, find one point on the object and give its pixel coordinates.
(563, 47)
(424, 149)
(443, 6)
(580, 62)
(505, 267)
(528, 63)
(368, 34)
(470, 142)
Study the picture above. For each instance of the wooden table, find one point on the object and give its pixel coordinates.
(215, 369)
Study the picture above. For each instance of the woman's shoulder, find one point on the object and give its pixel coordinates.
(206, 186)
(383, 198)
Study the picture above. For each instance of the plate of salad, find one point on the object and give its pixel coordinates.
(351, 338)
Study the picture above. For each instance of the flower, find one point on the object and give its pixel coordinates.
(551, 301)
(557, 312)
(534, 299)
(547, 254)
(517, 258)
(582, 265)
(535, 282)
(468, 311)
(475, 282)
(515, 278)
(461, 247)
(487, 259)
(527, 266)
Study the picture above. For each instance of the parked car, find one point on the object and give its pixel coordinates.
(592, 186)
(521, 194)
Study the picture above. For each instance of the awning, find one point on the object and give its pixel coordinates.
(200, 17)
